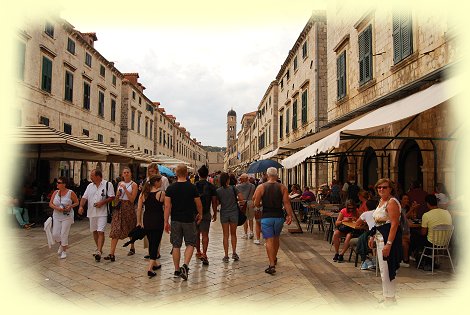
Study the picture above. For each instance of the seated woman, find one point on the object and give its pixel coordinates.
(295, 192)
(307, 197)
(346, 214)
(21, 214)
(363, 197)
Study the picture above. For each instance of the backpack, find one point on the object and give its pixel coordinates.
(353, 190)
(205, 193)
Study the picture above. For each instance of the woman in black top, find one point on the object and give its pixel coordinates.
(153, 198)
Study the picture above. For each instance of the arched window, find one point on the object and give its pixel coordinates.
(410, 162)
(369, 167)
(343, 169)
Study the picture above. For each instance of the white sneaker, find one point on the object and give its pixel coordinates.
(257, 242)
(405, 265)
(63, 255)
(244, 236)
(364, 265)
(60, 250)
(251, 236)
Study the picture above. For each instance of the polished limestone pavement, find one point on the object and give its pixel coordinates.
(306, 280)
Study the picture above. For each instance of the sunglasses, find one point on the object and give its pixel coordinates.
(382, 187)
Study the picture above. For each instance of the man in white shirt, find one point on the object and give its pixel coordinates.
(99, 193)
(362, 249)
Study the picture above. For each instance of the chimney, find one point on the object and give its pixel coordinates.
(90, 38)
(132, 77)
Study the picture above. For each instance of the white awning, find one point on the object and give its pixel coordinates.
(377, 119)
(305, 141)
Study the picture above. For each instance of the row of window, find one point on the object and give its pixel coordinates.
(288, 117)
(402, 48)
(295, 64)
(46, 85)
(49, 30)
(68, 129)
(148, 132)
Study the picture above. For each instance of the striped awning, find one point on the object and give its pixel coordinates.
(168, 160)
(40, 141)
(116, 153)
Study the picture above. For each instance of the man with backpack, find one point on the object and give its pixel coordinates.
(208, 195)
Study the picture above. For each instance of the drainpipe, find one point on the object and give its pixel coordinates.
(317, 96)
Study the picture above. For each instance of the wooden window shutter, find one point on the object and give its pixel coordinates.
(406, 33)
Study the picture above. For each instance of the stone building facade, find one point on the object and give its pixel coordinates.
(389, 56)
(65, 83)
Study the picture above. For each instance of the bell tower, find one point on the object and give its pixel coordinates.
(231, 128)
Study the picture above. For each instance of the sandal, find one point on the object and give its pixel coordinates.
(131, 252)
(271, 270)
(109, 257)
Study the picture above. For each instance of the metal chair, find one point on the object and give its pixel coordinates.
(314, 217)
(442, 235)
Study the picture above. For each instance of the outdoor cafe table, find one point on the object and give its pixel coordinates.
(39, 208)
(352, 224)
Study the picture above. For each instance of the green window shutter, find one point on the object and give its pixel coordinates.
(361, 57)
(68, 96)
(338, 78)
(46, 83)
(365, 54)
(406, 34)
(304, 107)
(281, 127)
(396, 39)
(287, 121)
(368, 53)
(294, 115)
(343, 68)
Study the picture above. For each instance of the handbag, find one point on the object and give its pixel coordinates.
(345, 229)
(241, 215)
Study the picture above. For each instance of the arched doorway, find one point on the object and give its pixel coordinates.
(410, 162)
(343, 169)
(84, 171)
(111, 171)
(369, 167)
(64, 168)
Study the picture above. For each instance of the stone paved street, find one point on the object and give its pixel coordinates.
(306, 279)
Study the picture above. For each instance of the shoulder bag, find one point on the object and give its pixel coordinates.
(241, 215)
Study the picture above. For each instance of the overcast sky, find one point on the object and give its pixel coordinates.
(199, 69)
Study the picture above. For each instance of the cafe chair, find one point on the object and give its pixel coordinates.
(440, 248)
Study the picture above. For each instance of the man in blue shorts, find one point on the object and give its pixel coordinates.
(272, 195)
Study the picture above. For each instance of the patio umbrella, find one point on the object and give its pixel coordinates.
(165, 170)
(262, 165)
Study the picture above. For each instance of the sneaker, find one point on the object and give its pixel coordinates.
(63, 255)
(404, 264)
(340, 258)
(60, 250)
(257, 242)
(336, 257)
(245, 236)
(250, 236)
(364, 265)
(225, 259)
(176, 274)
(184, 270)
(235, 256)
(371, 265)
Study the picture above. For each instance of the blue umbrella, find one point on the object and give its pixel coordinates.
(262, 165)
(165, 171)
